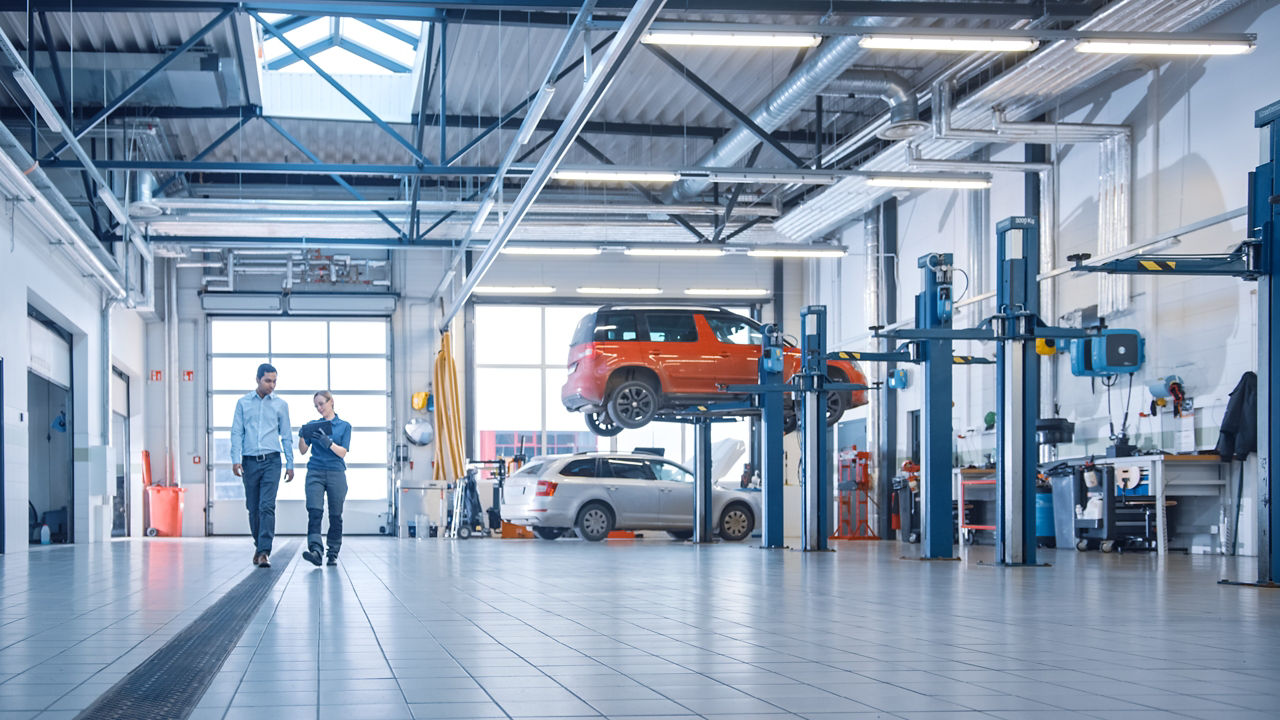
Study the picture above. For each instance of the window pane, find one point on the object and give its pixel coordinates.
(630, 469)
(508, 335)
(735, 331)
(296, 490)
(224, 409)
(362, 410)
(580, 468)
(673, 473)
(238, 336)
(558, 418)
(560, 325)
(367, 447)
(301, 410)
(668, 437)
(299, 336)
(613, 327)
(366, 483)
(364, 337)
(221, 450)
(672, 327)
(234, 374)
(357, 374)
(226, 486)
(301, 374)
(508, 399)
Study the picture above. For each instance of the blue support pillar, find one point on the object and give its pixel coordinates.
(933, 311)
(815, 462)
(1018, 389)
(772, 475)
(1264, 218)
(444, 90)
(702, 481)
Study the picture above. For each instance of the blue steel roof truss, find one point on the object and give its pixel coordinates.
(337, 38)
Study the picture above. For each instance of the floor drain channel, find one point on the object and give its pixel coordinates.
(170, 683)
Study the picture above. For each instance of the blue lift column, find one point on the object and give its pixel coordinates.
(815, 470)
(772, 470)
(933, 311)
(1018, 388)
(1264, 218)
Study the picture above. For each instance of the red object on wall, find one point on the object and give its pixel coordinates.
(157, 375)
(195, 460)
(188, 376)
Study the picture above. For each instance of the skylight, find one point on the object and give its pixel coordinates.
(342, 46)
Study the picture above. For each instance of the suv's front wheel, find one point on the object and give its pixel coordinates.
(633, 403)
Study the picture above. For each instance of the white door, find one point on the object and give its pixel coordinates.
(351, 359)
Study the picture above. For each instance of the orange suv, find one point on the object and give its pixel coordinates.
(629, 363)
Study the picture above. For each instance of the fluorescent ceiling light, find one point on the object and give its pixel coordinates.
(799, 251)
(514, 290)
(676, 251)
(1165, 47)
(482, 214)
(641, 176)
(921, 180)
(945, 43)
(38, 99)
(727, 292)
(619, 291)
(549, 250)
(732, 39)
(113, 205)
(534, 116)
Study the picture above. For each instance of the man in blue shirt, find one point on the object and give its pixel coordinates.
(326, 475)
(259, 432)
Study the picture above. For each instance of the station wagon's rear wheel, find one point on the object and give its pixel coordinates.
(595, 522)
(548, 533)
(601, 423)
(736, 522)
(633, 404)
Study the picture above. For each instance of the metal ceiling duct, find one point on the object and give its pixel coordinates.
(824, 66)
(1022, 93)
(894, 89)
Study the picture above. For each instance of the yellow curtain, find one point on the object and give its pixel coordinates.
(450, 456)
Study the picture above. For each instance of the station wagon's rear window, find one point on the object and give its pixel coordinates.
(585, 467)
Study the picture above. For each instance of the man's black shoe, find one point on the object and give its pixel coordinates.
(265, 562)
(312, 556)
(333, 560)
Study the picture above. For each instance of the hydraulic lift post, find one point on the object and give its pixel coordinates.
(933, 311)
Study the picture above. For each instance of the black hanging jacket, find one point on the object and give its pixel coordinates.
(1239, 433)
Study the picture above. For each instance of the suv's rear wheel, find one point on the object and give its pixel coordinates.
(601, 423)
(736, 522)
(595, 521)
(633, 403)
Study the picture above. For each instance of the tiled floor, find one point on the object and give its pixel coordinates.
(652, 629)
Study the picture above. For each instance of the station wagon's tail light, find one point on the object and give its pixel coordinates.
(546, 488)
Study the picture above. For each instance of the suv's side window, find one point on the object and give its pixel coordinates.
(734, 331)
(629, 469)
(669, 472)
(672, 327)
(615, 326)
(585, 467)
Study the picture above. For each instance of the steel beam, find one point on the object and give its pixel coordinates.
(391, 30)
(444, 91)
(706, 89)
(212, 146)
(642, 190)
(341, 90)
(134, 88)
(733, 197)
(343, 183)
(320, 45)
(285, 168)
(56, 67)
(638, 20)
(376, 58)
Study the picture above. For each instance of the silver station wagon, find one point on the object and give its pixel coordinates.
(596, 493)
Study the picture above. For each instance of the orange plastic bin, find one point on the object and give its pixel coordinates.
(166, 510)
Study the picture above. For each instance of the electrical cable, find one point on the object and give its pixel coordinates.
(966, 285)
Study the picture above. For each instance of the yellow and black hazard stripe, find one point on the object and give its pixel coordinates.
(1159, 265)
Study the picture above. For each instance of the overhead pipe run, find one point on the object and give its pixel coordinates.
(894, 89)
(825, 65)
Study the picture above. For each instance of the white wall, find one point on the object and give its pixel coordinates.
(34, 272)
(1194, 145)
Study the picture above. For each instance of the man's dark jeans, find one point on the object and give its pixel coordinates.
(261, 481)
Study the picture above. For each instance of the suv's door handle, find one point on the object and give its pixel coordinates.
(724, 355)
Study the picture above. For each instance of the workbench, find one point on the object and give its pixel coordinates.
(1178, 476)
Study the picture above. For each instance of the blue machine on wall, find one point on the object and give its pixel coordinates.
(1113, 352)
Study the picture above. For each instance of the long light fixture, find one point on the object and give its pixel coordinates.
(727, 292)
(117, 210)
(482, 214)
(1165, 47)
(514, 290)
(732, 39)
(38, 99)
(619, 291)
(549, 250)
(534, 116)
(948, 43)
(797, 251)
(637, 176)
(922, 180)
(694, 251)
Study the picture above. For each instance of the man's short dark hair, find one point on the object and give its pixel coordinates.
(265, 368)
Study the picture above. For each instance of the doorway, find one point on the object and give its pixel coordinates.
(49, 484)
(120, 441)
